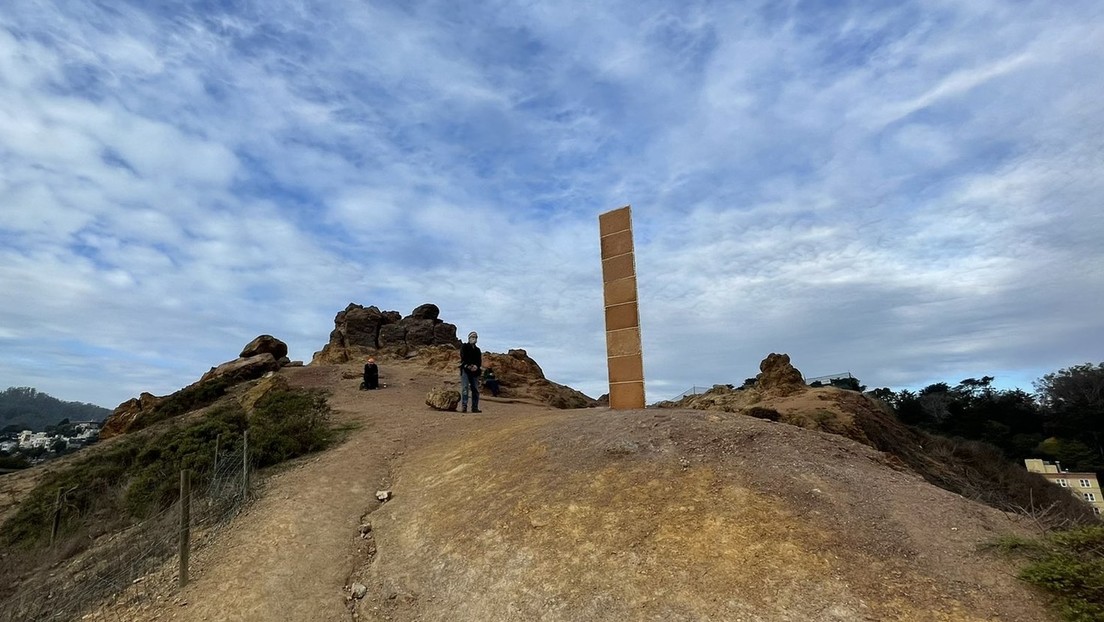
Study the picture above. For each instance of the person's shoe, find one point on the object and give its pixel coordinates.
(464, 409)
(476, 410)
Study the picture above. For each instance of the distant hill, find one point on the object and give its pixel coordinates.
(33, 410)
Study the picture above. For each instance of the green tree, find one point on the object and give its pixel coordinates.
(886, 395)
(1073, 403)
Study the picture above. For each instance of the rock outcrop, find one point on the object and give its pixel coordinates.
(242, 369)
(519, 376)
(260, 356)
(366, 331)
(268, 384)
(778, 377)
(125, 414)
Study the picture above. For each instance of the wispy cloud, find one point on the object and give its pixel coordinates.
(909, 192)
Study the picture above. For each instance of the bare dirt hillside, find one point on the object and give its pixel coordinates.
(530, 513)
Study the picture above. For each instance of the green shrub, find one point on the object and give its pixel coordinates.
(1067, 564)
(287, 423)
(186, 400)
(138, 475)
(13, 462)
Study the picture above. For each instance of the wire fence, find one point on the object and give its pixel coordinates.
(695, 390)
(101, 576)
(846, 375)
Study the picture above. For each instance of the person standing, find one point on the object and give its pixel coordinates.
(471, 362)
(371, 374)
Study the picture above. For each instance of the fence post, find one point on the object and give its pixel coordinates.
(185, 524)
(214, 470)
(245, 464)
(57, 518)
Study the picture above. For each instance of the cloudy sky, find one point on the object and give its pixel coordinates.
(909, 191)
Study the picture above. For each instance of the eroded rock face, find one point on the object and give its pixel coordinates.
(125, 414)
(392, 336)
(515, 368)
(268, 384)
(418, 332)
(360, 326)
(443, 399)
(265, 344)
(242, 369)
(778, 377)
(366, 331)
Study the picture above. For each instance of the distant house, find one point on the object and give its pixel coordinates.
(1084, 486)
(29, 439)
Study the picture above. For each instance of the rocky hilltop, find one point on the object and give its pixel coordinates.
(361, 331)
(975, 471)
(530, 513)
(421, 338)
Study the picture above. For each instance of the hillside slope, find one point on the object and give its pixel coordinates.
(527, 512)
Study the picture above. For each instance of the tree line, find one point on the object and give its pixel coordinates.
(1062, 421)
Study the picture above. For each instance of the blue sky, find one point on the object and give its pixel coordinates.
(910, 192)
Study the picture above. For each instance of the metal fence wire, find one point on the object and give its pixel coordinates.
(102, 574)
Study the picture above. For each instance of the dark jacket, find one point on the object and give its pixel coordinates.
(471, 355)
(371, 376)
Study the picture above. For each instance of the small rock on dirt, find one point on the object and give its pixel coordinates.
(383, 495)
(359, 590)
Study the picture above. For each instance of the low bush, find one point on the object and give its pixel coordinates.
(287, 423)
(14, 462)
(1069, 565)
(185, 400)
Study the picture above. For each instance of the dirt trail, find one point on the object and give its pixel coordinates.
(291, 554)
(528, 513)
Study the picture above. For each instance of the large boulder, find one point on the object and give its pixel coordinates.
(242, 369)
(778, 377)
(426, 312)
(443, 399)
(265, 344)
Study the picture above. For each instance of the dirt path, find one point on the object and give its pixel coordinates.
(291, 554)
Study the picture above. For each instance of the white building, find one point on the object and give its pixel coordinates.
(29, 439)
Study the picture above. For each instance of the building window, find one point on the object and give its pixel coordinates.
(1090, 497)
(1096, 510)
(1064, 483)
(1085, 483)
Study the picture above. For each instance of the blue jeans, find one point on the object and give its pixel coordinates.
(469, 380)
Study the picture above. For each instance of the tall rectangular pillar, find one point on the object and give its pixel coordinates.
(624, 354)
